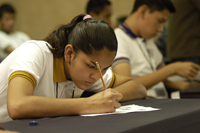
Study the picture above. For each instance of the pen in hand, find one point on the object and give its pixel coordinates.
(98, 67)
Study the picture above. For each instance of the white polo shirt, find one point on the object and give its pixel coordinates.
(14, 39)
(34, 61)
(144, 58)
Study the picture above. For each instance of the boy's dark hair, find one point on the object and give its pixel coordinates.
(96, 6)
(89, 35)
(154, 5)
(6, 8)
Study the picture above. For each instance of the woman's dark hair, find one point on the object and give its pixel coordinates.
(87, 35)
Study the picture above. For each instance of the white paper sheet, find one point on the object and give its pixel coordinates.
(127, 109)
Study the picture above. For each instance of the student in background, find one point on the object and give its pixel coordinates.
(100, 9)
(41, 78)
(138, 56)
(9, 39)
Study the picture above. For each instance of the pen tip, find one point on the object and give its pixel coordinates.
(97, 63)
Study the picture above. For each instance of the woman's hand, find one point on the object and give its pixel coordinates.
(104, 102)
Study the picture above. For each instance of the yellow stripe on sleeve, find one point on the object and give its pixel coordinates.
(24, 75)
(114, 79)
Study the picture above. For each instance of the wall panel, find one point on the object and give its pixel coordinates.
(38, 17)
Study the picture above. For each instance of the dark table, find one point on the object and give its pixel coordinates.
(191, 93)
(180, 115)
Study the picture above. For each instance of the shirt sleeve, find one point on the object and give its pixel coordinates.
(123, 46)
(123, 54)
(28, 62)
(23, 75)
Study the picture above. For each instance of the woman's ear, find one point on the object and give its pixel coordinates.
(69, 53)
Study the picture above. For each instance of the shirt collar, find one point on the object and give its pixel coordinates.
(58, 70)
(128, 31)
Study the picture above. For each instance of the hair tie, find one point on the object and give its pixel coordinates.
(87, 16)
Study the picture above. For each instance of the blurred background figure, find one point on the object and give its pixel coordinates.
(183, 41)
(9, 39)
(138, 56)
(161, 42)
(101, 9)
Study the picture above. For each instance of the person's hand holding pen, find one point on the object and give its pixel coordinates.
(103, 102)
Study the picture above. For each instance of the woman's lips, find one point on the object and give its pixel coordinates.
(89, 83)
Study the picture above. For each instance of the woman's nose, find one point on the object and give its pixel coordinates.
(95, 75)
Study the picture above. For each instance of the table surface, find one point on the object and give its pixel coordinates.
(176, 115)
(191, 93)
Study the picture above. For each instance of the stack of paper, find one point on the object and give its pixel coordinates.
(127, 109)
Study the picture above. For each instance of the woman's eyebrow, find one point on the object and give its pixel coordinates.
(99, 65)
(93, 63)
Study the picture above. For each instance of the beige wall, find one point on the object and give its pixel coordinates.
(37, 18)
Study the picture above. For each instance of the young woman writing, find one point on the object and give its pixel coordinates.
(45, 78)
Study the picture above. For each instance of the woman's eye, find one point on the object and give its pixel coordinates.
(91, 66)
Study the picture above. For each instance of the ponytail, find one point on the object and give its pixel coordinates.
(83, 33)
(58, 39)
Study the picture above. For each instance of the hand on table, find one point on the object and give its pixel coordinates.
(104, 102)
(186, 69)
(183, 85)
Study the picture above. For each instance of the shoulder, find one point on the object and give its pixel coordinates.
(123, 38)
(120, 33)
(43, 45)
(33, 50)
(31, 57)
